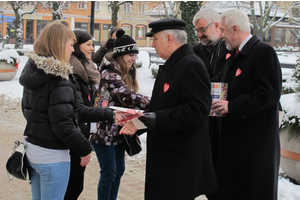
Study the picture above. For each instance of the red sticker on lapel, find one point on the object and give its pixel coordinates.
(238, 72)
(166, 87)
(228, 55)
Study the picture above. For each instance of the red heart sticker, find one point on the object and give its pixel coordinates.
(166, 87)
(228, 55)
(238, 72)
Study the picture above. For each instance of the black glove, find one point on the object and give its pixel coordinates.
(149, 120)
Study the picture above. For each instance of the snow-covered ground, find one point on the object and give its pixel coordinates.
(12, 89)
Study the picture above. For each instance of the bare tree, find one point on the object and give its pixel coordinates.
(267, 15)
(17, 7)
(57, 8)
(263, 15)
(165, 9)
(115, 7)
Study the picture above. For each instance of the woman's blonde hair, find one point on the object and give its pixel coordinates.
(127, 78)
(52, 41)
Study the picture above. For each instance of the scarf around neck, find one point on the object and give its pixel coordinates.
(89, 73)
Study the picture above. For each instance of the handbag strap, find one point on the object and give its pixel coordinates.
(36, 99)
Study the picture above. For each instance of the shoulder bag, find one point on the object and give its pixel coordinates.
(16, 164)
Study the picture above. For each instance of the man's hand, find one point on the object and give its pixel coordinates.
(220, 107)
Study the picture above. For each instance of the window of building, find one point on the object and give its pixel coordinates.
(279, 35)
(98, 5)
(127, 8)
(97, 34)
(81, 5)
(140, 31)
(127, 28)
(267, 36)
(286, 35)
(141, 9)
(81, 26)
(40, 24)
(10, 29)
(30, 3)
(105, 34)
(296, 12)
(108, 6)
(66, 5)
(293, 33)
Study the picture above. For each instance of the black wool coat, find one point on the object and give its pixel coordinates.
(249, 139)
(214, 65)
(220, 51)
(179, 163)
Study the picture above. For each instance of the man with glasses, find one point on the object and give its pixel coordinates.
(212, 50)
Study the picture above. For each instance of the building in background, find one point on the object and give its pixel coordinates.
(133, 18)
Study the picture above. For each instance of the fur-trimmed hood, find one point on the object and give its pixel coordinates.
(40, 69)
(51, 66)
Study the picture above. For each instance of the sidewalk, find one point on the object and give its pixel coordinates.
(132, 182)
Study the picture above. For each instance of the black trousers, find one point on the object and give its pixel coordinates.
(76, 180)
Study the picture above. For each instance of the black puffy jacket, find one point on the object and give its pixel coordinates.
(54, 124)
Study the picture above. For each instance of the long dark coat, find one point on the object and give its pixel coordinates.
(179, 163)
(214, 64)
(249, 139)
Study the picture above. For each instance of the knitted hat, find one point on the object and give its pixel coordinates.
(124, 44)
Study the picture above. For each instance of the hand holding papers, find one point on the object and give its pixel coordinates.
(129, 115)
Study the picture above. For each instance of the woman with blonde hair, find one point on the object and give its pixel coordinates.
(47, 76)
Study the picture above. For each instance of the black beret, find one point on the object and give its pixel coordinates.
(165, 24)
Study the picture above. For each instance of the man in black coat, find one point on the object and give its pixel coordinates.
(249, 150)
(179, 161)
(212, 50)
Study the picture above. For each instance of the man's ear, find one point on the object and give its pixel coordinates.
(169, 37)
(235, 28)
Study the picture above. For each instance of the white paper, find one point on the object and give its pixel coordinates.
(139, 125)
(93, 128)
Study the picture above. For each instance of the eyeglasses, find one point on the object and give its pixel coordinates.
(202, 30)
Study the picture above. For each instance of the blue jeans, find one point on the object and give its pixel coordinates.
(112, 166)
(49, 181)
